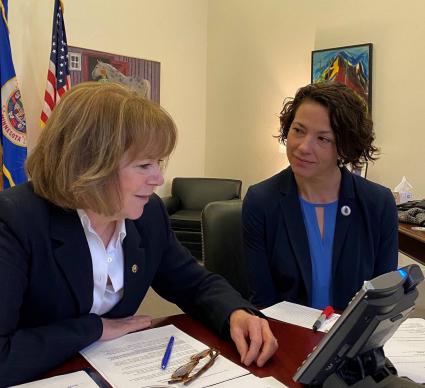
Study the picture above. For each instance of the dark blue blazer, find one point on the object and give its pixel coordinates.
(46, 281)
(277, 249)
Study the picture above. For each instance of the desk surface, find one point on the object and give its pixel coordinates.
(295, 343)
(411, 242)
(407, 230)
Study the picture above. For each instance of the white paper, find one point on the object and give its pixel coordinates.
(299, 315)
(271, 382)
(71, 380)
(135, 359)
(406, 349)
(251, 381)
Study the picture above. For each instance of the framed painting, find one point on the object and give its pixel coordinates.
(141, 75)
(349, 65)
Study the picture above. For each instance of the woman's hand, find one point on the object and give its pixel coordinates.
(253, 337)
(114, 328)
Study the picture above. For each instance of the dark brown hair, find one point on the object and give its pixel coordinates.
(349, 118)
(76, 161)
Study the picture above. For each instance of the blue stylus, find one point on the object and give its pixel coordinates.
(167, 353)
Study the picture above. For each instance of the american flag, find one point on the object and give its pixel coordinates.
(58, 78)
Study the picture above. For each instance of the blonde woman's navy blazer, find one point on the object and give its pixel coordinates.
(46, 281)
(277, 249)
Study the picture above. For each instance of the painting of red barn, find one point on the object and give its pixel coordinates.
(140, 75)
(349, 65)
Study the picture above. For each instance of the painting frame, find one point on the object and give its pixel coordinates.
(349, 65)
(134, 72)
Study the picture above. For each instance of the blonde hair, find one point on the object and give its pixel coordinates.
(76, 161)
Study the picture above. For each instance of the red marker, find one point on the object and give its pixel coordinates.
(326, 313)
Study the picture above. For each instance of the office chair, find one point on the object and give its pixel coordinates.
(222, 243)
(188, 198)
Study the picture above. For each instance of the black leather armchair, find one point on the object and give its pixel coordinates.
(188, 198)
(222, 243)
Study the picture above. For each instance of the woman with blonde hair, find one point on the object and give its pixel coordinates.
(82, 242)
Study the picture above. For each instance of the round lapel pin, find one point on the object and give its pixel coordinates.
(345, 210)
(134, 268)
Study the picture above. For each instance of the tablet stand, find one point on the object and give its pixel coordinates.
(369, 370)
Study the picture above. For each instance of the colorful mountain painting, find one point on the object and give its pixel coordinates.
(347, 65)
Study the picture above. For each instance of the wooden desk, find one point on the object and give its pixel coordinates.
(411, 242)
(295, 343)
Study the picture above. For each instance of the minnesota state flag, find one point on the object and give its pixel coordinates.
(13, 124)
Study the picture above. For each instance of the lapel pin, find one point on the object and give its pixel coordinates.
(134, 268)
(345, 210)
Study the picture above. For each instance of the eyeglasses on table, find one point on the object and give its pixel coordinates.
(186, 373)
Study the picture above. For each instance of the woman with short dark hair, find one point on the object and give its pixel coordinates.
(315, 231)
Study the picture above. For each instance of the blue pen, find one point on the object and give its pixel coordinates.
(167, 353)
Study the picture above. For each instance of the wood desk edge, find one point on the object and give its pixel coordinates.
(407, 230)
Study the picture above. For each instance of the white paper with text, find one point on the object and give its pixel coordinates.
(406, 349)
(135, 359)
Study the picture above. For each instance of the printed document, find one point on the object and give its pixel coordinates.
(406, 349)
(134, 360)
(251, 381)
(299, 315)
(74, 380)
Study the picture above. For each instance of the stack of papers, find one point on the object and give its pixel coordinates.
(82, 380)
(135, 361)
(299, 315)
(74, 380)
(406, 349)
(252, 381)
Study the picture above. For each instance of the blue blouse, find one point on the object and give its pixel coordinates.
(320, 249)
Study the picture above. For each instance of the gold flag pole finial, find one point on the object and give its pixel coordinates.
(3, 14)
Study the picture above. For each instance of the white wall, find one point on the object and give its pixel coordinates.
(168, 31)
(259, 53)
(226, 66)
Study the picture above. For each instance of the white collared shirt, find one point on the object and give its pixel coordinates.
(107, 263)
